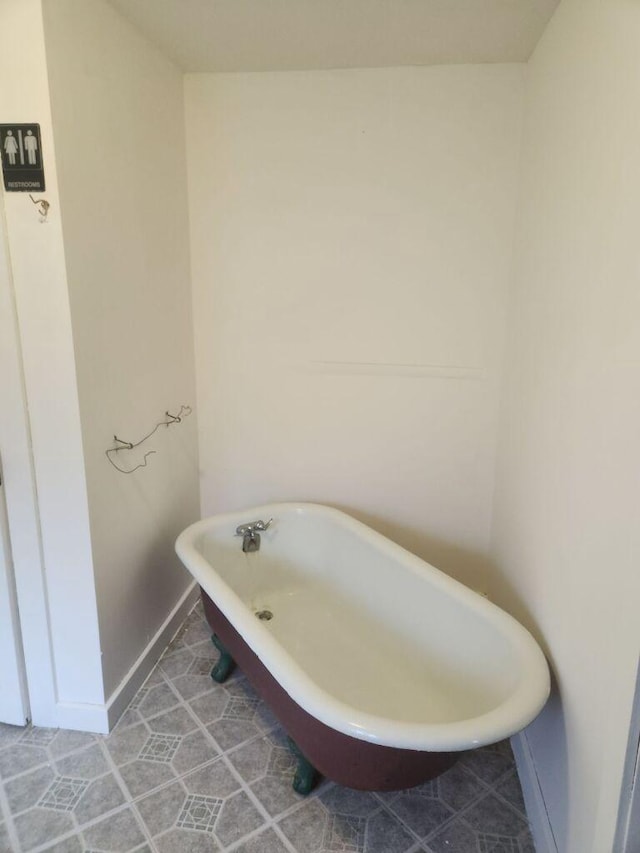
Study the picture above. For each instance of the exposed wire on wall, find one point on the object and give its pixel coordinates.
(184, 412)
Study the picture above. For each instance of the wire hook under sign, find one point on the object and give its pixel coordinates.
(43, 207)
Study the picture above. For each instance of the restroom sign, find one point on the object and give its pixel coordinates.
(21, 155)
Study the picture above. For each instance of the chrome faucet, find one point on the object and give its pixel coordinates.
(250, 535)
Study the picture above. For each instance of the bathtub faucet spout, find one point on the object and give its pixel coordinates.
(250, 535)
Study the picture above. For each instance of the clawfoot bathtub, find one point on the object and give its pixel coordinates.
(380, 667)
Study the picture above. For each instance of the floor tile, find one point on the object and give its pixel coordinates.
(487, 826)
(195, 749)
(157, 699)
(214, 780)
(175, 722)
(65, 742)
(274, 787)
(25, 791)
(5, 841)
(123, 745)
(201, 663)
(19, 758)
(140, 777)
(305, 828)
(455, 836)
(39, 825)
(490, 762)
(491, 816)
(73, 844)
(160, 811)
(421, 813)
(196, 631)
(231, 733)
(384, 835)
(189, 686)
(147, 759)
(86, 764)
(526, 844)
(101, 796)
(238, 817)
(10, 734)
(266, 841)
(38, 736)
(119, 833)
(427, 807)
(211, 706)
(252, 760)
(202, 810)
(176, 662)
(129, 718)
(63, 794)
(156, 676)
(457, 788)
(45, 802)
(339, 800)
(241, 716)
(316, 828)
(510, 790)
(186, 841)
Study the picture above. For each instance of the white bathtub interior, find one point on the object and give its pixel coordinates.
(380, 631)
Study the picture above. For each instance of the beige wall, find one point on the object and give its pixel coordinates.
(351, 237)
(566, 533)
(117, 108)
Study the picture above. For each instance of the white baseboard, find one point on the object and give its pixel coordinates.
(537, 813)
(139, 672)
(81, 717)
(102, 718)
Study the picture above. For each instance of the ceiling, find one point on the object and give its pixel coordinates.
(274, 35)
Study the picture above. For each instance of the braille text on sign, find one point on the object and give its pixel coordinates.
(21, 155)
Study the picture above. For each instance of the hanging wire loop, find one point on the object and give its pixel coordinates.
(184, 412)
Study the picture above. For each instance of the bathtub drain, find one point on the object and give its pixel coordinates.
(264, 615)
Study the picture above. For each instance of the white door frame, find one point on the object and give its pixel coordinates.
(14, 699)
(21, 503)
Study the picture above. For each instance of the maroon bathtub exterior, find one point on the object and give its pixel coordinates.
(340, 757)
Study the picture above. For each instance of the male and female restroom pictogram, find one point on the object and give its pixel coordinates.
(21, 156)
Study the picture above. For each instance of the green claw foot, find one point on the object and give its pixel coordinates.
(225, 665)
(306, 776)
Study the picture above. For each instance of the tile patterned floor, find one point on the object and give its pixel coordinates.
(194, 767)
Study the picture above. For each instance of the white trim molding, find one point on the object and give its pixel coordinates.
(140, 671)
(543, 838)
(102, 718)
